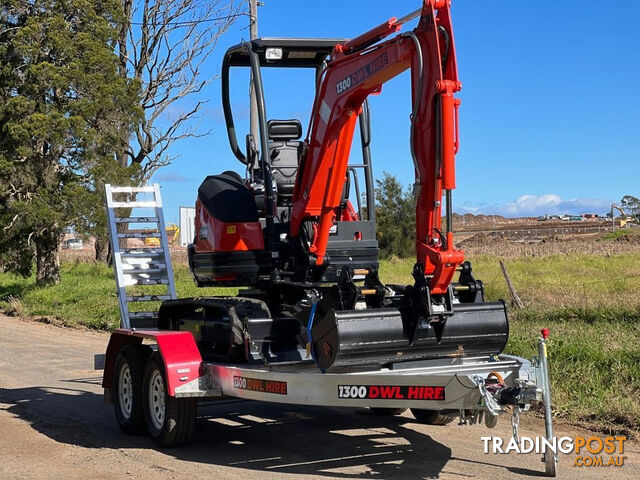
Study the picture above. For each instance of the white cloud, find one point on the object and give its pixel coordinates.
(534, 205)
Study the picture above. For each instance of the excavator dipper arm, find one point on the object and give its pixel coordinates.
(359, 68)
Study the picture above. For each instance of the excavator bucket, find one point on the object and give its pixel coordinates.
(343, 338)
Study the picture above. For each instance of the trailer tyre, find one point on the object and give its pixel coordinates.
(170, 421)
(127, 384)
(387, 411)
(431, 417)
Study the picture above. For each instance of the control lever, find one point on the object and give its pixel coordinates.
(252, 152)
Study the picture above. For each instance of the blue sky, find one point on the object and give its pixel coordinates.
(550, 102)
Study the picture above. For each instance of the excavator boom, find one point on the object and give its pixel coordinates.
(357, 69)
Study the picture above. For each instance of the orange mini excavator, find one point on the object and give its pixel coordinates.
(298, 231)
(312, 323)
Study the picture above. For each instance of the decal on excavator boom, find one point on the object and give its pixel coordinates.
(362, 73)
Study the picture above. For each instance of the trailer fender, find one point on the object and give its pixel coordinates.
(182, 359)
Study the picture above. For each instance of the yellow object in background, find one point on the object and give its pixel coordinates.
(152, 242)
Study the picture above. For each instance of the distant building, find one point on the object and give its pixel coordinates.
(74, 243)
(187, 225)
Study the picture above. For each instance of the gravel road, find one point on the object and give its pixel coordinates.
(54, 424)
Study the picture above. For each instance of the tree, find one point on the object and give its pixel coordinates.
(62, 107)
(162, 45)
(631, 205)
(395, 218)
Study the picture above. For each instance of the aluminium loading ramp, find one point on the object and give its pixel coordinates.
(141, 266)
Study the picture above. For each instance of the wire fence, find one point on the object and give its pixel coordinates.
(531, 232)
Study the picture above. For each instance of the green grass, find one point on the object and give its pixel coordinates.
(86, 295)
(589, 302)
(621, 232)
(577, 281)
(594, 361)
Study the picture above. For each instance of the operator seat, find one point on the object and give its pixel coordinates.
(284, 152)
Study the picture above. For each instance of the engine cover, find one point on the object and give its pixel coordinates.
(228, 247)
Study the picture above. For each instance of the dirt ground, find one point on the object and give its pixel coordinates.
(54, 424)
(482, 244)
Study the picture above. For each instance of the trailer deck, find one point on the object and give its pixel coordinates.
(436, 385)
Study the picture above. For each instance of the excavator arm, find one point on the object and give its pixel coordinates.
(357, 69)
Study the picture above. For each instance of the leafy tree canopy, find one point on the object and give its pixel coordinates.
(395, 218)
(631, 205)
(61, 104)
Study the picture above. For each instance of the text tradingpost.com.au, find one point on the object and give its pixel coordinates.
(590, 451)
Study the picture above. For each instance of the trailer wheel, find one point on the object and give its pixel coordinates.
(127, 398)
(431, 417)
(170, 421)
(387, 411)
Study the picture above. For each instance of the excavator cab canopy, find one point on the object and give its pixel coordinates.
(269, 52)
(275, 155)
(283, 52)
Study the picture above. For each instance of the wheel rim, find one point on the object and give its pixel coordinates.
(156, 400)
(125, 390)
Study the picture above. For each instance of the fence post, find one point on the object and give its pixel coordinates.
(512, 290)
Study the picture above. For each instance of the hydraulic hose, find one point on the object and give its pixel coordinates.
(416, 103)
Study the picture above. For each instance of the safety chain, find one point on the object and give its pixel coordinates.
(515, 423)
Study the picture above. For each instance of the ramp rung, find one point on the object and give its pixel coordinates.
(142, 315)
(139, 235)
(132, 189)
(144, 274)
(142, 271)
(140, 252)
(128, 282)
(148, 298)
(137, 220)
(149, 204)
(140, 263)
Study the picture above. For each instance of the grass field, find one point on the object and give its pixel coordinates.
(589, 302)
(620, 234)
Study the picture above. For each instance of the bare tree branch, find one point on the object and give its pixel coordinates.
(163, 45)
(13, 220)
